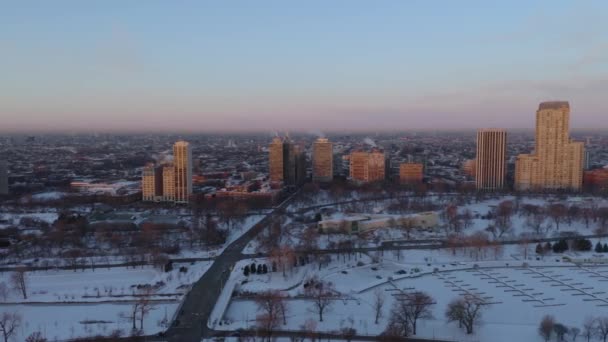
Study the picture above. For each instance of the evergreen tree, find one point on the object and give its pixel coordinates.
(539, 249)
(605, 248)
(259, 270)
(599, 248)
(253, 268)
(246, 271)
(265, 269)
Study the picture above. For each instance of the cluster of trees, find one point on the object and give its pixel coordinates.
(411, 307)
(477, 246)
(540, 219)
(253, 269)
(592, 328)
(582, 245)
(406, 311)
(599, 248)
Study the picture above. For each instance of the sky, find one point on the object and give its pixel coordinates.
(268, 65)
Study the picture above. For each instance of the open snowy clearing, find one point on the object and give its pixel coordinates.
(518, 296)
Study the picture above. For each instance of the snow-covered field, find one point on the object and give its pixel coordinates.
(61, 322)
(102, 295)
(519, 296)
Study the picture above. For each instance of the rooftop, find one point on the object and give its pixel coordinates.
(554, 105)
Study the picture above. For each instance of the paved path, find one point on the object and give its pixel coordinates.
(190, 324)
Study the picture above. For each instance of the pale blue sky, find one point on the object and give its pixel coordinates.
(323, 65)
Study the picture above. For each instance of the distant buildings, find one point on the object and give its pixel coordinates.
(182, 161)
(275, 160)
(411, 173)
(170, 182)
(557, 161)
(367, 166)
(596, 179)
(490, 161)
(469, 167)
(3, 178)
(151, 184)
(286, 162)
(322, 160)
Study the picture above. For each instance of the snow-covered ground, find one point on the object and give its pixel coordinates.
(60, 322)
(519, 296)
(101, 295)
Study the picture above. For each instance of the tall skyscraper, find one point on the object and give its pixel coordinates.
(289, 162)
(182, 161)
(557, 161)
(322, 160)
(275, 160)
(169, 183)
(490, 160)
(367, 166)
(377, 166)
(148, 183)
(3, 178)
(152, 183)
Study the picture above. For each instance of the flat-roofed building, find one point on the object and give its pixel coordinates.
(490, 162)
(322, 160)
(411, 173)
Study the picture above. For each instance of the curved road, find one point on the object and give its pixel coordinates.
(190, 324)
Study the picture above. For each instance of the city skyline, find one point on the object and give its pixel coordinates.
(202, 67)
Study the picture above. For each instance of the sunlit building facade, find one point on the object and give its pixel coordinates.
(367, 166)
(182, 161)
(275, 160)
(557, 161)
(491, 159)
(411, 173)
(322, 160)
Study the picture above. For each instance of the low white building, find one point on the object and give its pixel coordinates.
(362, 223)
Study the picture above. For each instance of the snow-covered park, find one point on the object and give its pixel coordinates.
(97, 301)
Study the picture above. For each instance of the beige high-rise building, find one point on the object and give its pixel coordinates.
(182, 161)
(148, 183)
(322, 160)
(169, 183)
(557, 161)
(377, 166)
(275, 160)
(410, 173)
(490, 162)
(152, 183)
(367, 166)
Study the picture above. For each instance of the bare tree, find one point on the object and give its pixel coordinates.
(19, 281)
(601, 328)
(545, 328)
(36, 337)
(378, 304)
(589, 328)
(310, 329)
(273, 306)
(3, 291)
(557, 212)
(535, 223)
(145, 306)
(574, 332)
(398, 324)
(417, 306)
(466, 311)
(502, 220)
(9, 322)
(322, 294)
